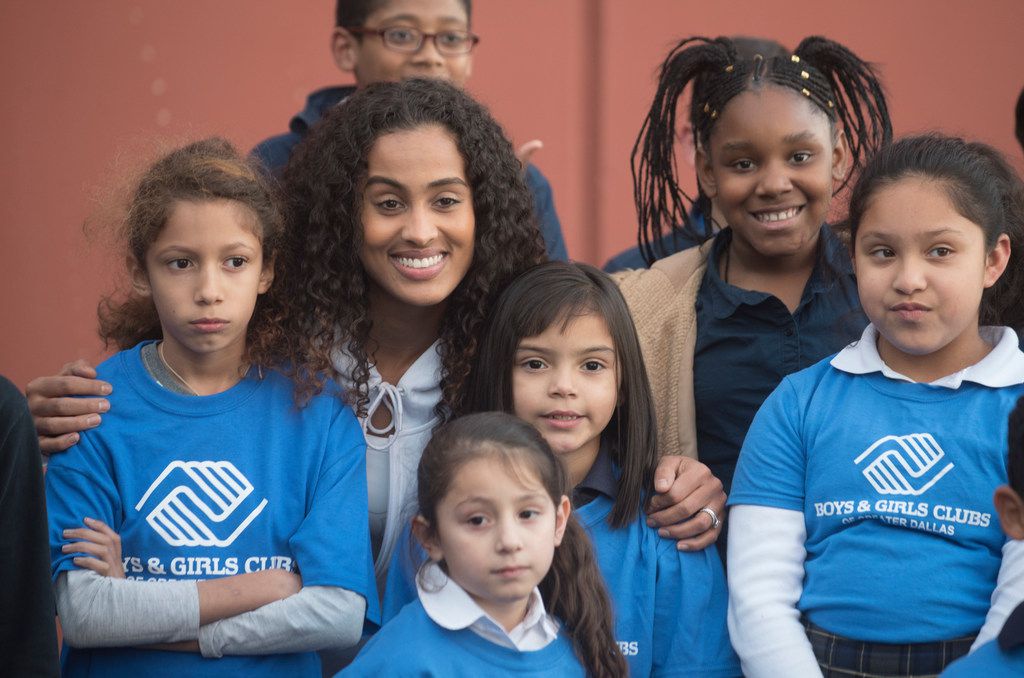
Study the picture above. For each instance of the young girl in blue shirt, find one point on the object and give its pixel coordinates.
(561, 352)
(863, 540)
(511, 587)
(197, 531)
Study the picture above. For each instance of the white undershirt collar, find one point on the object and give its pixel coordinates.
(452, 608)
(1003, 366)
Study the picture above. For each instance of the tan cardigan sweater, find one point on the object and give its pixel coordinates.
(663, 301)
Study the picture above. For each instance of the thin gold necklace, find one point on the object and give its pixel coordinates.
(160, 352)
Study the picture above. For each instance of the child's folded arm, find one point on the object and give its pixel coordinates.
(1008, 594)
(110, 611)
(766, 573)
(98, 611)
(317, 617)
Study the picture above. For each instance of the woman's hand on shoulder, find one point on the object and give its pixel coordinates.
(59, 416)
(101, 543)
(688, 498)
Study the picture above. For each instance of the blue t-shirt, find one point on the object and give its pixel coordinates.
(412, 644)
(670, 605)
(1000, 658)
(895, 481)
(989, 661)
(211, 486)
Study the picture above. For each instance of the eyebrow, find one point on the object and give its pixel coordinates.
(737, 146)
(798, 137)
(928, 234)
(529, 496)
(447, 181)
(795, 138)
(590, 349)
(412, 18)
(191, 250)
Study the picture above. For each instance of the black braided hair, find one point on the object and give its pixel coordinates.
(844, 87)
(1018, 128)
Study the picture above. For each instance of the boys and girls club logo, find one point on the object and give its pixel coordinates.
(906, 465)
(201, 503)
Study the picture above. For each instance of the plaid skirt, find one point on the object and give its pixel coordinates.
(841, 657)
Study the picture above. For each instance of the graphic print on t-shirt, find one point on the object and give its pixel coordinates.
(904, 465)
(201, 503)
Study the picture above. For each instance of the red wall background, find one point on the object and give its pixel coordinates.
(85, 84)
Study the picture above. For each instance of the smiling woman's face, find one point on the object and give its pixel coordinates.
(417, 217)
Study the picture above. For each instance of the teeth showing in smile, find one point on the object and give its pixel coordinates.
(769, 217)
(420, 263)
(563, 417)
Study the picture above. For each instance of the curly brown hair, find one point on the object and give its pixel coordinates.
(321, 271)
(210, 169)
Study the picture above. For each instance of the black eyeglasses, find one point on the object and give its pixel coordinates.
(410, 40)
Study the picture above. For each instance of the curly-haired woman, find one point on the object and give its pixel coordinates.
(408, 214)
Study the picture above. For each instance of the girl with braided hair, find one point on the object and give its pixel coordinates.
(773, 291)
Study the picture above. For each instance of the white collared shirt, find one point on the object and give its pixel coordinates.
(452, 608)
(1003, 366)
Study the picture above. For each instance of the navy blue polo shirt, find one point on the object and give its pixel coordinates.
(671, 243)
(600, 480)
(748, 341)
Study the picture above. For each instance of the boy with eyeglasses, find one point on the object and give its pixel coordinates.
(386, 40)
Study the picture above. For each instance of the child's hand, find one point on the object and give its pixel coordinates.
(526, 151)
(101, 543)
(283, 582)
(685, 487)
(59, 416)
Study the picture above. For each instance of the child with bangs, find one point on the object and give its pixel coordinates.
(561, 353)
(511, 587)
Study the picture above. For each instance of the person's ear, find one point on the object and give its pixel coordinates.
(562, 511)
(997, 259)
(427, 537)
(704, 174)
(266, 276)
(840, 157)
(137, 274)
(345, 49)
(1010, 508)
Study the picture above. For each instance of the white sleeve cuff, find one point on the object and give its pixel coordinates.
(766, 573)
(98, 611)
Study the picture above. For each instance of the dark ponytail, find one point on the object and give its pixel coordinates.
(982, 187)
(859, 100)
(830, 76)
(573, 589)
(656, 192)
